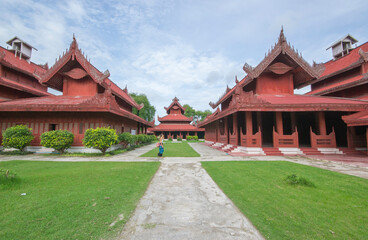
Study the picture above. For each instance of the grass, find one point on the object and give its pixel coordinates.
(335, 208)
(81, 154)
(70, 200)
(178, 149)
(15, 152)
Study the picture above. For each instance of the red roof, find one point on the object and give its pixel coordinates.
(351, 82)
(176, 127)
(333, 66)
(175, 118)
(21, 87)
(9, 59)
(96, 103)
(52, 79)
(356, 119)
(287, 103)
(305, 100)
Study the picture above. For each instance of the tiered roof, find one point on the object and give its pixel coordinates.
(104, 102)
(332, 68)
(248, 101)
(55, 80)
(283, 50)
(175, 121)
(8, 59)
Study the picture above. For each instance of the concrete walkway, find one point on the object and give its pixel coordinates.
(183, 202)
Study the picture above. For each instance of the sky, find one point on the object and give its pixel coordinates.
(185, 48)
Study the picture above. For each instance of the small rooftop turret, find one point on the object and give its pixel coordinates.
(343, 46)
(20, 48)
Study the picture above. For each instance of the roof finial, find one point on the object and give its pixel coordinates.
(73, 37)
(282, 36)
(236, 79)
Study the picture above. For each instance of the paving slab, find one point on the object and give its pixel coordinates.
(183, 202)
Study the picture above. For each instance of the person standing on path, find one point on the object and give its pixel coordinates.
(161, 145)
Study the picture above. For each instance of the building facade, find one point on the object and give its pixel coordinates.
(89, 98)
(175, 125)
(262, 111)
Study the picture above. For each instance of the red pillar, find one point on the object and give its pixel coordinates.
(293, 122)
(322, 123)
(279, 124)
(248, 122)
(196, 133)
(366, 133)
(235, 127)
(225, 126)
(235, 123)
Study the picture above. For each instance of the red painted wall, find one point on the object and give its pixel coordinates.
(76, 123)
(79, 87)
(270, 83)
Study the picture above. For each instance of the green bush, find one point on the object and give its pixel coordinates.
(134, 140)
(141, 138)
(100, 138)
(179, 138)
(170, 139)
(17, 137)
(126, 138)
(60, 140)
(295, 180)
(195, 138)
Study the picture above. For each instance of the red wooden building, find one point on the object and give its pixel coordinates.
(346, 76)
(175, 124)
(18, 77)
(262, 111)
(89, 100)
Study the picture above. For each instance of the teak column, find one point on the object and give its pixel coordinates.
(248, 123)
(235, 127)
(279, 124)
(322, 123)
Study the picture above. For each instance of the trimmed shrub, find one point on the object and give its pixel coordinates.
(60, 140)
(17, 137)
(179, 138)
(170, 138)
(141, 138)
(195, 138)
(125, 138)
(100, 138)
(135, 139)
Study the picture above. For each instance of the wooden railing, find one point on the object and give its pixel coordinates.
(223, 139)
(285, 140)
(323, 141)
(251, 140)
(233, 138)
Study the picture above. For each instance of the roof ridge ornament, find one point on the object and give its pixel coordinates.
(363, 55)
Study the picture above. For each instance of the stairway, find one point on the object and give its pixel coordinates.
(311, 151)
(351, 151)
(271, 151)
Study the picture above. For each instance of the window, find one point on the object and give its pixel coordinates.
(52, 127)
(80, 128)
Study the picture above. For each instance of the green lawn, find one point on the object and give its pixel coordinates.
(70, 200)
(336, 208)
(178, 149)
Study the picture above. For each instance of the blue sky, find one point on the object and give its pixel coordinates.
(189, 49)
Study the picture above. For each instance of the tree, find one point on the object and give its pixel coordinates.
(100, 138)
(189, 111)
(197, 115)
(148, 111)
(17, 137)
(60, 140)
